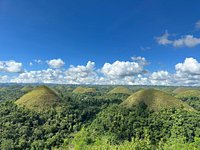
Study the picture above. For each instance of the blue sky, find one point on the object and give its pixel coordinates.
(99, 31)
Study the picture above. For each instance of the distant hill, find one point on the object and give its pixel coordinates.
(180, 89)
(84, 90)
(155, 100)
(27, 88)
(188, 93)
(120, 90)
(39, 99)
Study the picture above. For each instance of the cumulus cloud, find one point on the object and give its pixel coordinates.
(55, 63)
(11, 66)
(189, 66)
(82, 74)
(119, 72)
(160, 78)
(121, 69)
(187, 73)
(160, 75)
(41, 76)
(184, 41)
(164, 39)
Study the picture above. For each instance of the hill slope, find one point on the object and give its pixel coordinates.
(188, 93)
(40, 98)
(83, 90)
(155, 100)
(120, 89)
(27, 88)
(180, 89)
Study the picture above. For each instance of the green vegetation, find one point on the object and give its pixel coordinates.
(39, 99)
(120, 90)
(138, 128)
(155, 100)
(10, 92)
(56, 118)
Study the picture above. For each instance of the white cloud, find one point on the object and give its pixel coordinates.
(119, 72)
(41, 76)
(184, 41)
(189, 66)
(55, 63)
(73, 75)
(160, 78)
(11, 66)
(164, 39)
(82, 74)
(187, 73)
(160, 75)
(197, 25)
(121, 69)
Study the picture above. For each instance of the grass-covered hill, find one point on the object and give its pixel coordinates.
(120, 90)
(188, 93)
(155, 100)
(39, 99)
(27, 88)
(180, 90)
(97, 121)
(191, 97)
(83, 90)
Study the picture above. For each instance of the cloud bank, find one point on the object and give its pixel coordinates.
(11, 66)
(131, 72)
(183, 41)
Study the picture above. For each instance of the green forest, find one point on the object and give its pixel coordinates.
(62, 117)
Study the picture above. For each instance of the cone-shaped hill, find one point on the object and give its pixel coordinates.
(39, 99)
(120, 90)
(155, 100)
(188, 94)
(180, 89)
(84, 90)
(27, 88)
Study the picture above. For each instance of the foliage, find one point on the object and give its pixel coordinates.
(10, 93)
(98, 121)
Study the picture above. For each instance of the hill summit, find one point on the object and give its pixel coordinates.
(155, 100)
(39, 99)
(120, 90)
